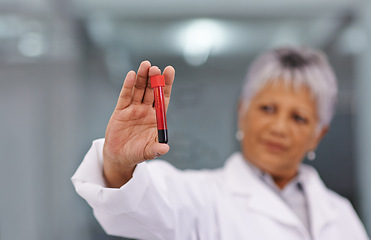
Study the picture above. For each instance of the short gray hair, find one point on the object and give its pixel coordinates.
(297, 67)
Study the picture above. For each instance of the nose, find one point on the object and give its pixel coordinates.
(279, 125)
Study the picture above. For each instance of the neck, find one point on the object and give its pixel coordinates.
(282, 181)
(281, 178)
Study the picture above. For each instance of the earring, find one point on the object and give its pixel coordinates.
(311, 155)
(239, 135)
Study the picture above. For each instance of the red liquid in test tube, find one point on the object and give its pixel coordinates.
(158, 83)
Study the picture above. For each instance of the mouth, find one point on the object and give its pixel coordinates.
(275, 147)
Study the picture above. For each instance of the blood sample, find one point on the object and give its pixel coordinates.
(157, 83)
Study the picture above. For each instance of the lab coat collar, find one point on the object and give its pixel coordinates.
(241, 181)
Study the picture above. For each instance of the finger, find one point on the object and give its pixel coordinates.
(141, 82)
(149, 95)
(169, 74)
(126, 91)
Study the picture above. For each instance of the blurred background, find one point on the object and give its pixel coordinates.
(62, 63)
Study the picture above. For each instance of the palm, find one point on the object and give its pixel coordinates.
(131, 130)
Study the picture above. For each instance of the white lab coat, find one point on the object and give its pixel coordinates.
(232, 203)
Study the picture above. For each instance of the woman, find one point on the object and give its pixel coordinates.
(264, 192)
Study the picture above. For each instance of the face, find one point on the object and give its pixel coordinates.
(279, 128)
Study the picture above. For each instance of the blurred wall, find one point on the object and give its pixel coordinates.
(61, 72)
(362, 125)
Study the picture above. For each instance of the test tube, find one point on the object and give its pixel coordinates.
(157, 83)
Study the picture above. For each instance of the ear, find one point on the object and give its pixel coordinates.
(317, 139)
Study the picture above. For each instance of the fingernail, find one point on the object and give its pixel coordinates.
(155, 67)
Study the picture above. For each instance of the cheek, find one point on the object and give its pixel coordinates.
(253, 129)
(249, 125)
(303, 139)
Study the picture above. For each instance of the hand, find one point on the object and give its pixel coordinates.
(131, 134)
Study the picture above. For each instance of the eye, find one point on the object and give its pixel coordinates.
(267, 108)
(299, 119)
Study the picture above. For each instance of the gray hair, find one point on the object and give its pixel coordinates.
(296, 67)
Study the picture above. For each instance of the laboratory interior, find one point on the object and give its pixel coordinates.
(63, 62)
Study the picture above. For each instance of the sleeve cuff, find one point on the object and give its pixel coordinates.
(89, 184)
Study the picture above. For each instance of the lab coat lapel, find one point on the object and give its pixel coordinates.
(321, 209)
(243, 182)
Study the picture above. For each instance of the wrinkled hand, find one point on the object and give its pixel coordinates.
(131, 134)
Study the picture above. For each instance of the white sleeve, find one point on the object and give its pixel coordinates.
(154, 204)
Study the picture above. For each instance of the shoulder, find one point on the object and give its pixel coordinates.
(347, 217)
(329, 200)
(338, 200)
(312, 178)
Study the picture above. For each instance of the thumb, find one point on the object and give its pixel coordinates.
(157, 149)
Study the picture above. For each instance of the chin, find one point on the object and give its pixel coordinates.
(276, 166)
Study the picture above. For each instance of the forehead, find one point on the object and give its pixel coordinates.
(281, 92)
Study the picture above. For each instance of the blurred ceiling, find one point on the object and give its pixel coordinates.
(198, 30)
(189, 8)
(193, 30)
(230, 8)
